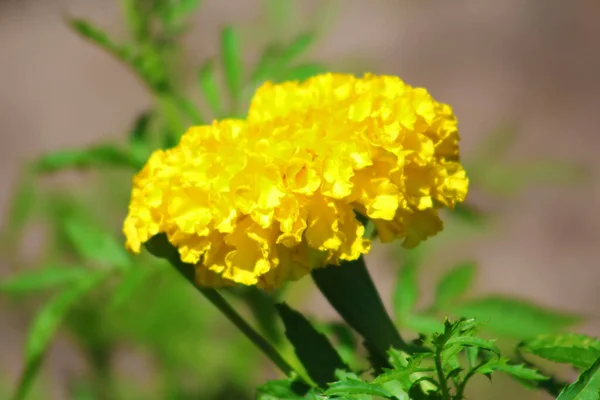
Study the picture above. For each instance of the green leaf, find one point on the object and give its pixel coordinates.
(94, 244)
(578, 350)
(280, 14)
(317, 355)
(281, 390)
(514, 318)
(45, 325)
(132, 280)
(587, 386)
(469, 341)
(520, 371)
(100, 155)
(422, 323)
(207, 81)
(231, 52)
(468, 214)
(296, 48)
(407, 287)
(22, 203)
(356, 387)
(301, 72)
(139, 140)
(454, 284)
(148, 64)
(183, 8)
(41, 279)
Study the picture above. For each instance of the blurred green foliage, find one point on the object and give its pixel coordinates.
(85, 286)
(84, 283)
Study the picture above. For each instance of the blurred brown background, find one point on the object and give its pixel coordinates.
(535, 63)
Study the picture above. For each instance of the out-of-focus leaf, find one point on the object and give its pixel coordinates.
(148, 64)
(587, 386)
(132, 280)
(45, 325)
(301, 72)
(100, 155)
(317, 355)
(578, 350)
(422, 323)
(496, 145)
(469, 214)
(22, 203)
(94, 244)
(183, 8)
(454, 284)
(231, 52)
(407, 285)
(296, 48)
(280, 13)
(40, 279)
(209, 87)
(139, 140)
(515, 318)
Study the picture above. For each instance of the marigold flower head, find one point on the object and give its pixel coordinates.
(264, 200)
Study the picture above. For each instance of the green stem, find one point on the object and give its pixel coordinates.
(218, 301)
(351, 291)
(441, 376)
(187, 270)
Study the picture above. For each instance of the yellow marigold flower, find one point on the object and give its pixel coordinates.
(265, 200)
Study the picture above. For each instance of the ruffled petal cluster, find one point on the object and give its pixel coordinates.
(264, 200)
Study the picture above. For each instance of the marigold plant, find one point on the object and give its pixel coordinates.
(267, 199)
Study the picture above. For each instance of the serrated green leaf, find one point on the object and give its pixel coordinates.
(470, 341)
(454, 284)
(515, 318)
(301, 72)
(207, 81)
(356, 387)
(94, 244)
(100, 155)
(406, 292)
(44, 327)
(280, 390)
(522, 372)
(231, 52)
(587, 386)
(578, 350)
(40, 279)
(519, 371)
(314, 351)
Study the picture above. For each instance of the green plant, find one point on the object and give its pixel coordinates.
(105, 299)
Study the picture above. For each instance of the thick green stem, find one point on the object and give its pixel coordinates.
(351, 291)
